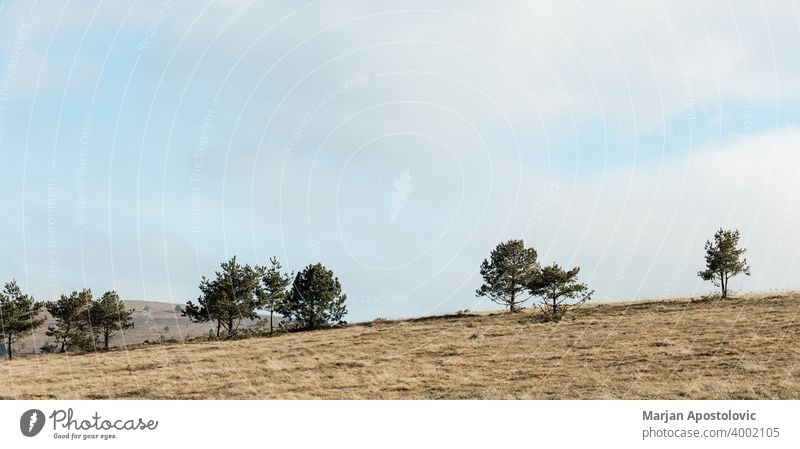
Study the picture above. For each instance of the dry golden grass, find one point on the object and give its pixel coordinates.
(744, 348)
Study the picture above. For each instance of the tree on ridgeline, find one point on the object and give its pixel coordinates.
(233, 295)
(19, 314)
(724, 259)
(274, 285)
(72, 327)
(107, 316)
(558, 290)
(316, 299)
(507, 274)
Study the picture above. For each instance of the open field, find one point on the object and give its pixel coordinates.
(742, 348)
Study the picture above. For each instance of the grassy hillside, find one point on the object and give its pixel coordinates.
(747, 347)
(153, 320)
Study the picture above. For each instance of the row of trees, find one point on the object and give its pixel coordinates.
(512, 275)
(80, 322)
(310, 299)
(313, 297)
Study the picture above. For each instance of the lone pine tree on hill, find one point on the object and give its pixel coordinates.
(507, 274)
(724, 260)
(19, 314)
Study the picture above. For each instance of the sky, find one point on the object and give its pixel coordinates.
(397, 143)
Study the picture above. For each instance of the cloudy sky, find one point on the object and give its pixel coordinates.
(396, 142)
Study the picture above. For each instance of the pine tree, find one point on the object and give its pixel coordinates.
(724, 260)
(316, 298)
(72, 329)
(507, 273)
(109, 315)
(19, 314)
(559, 290)
(274, 284)
(233, 295)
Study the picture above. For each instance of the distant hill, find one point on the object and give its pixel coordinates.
(746, 347)
(153, 321)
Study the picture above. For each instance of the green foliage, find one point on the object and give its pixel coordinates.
(233, 295)
(107, 316)
(558, 290)
(316, 299)
(724, 260)
(19, 314)
(274, 285)
(507, 273)
(72, 326)
(84, 324)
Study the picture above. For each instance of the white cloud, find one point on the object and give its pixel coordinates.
(631, 63)
(452, 88)
(636, 230)
(645, 236)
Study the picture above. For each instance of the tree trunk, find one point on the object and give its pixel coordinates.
(724, 289)
(105, 335)
(555, 308)
(513, 293)
(724, 283)
(64, 334)
(218, 324)
(270, 320)
(8, 346)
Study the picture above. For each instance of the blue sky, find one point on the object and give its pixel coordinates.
(396, 142)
